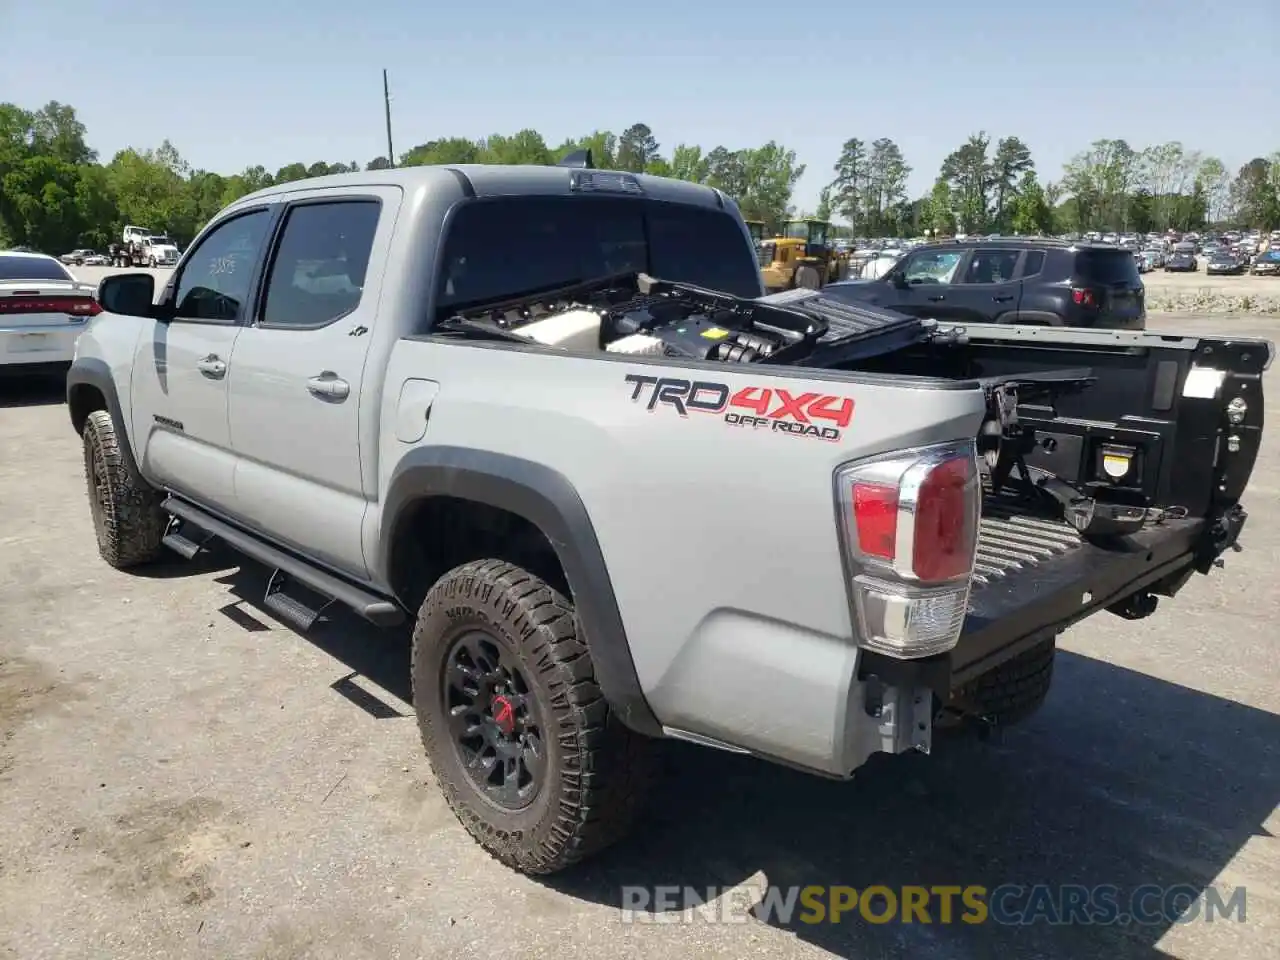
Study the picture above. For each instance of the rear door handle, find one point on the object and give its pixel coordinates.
(329, 386)
(937, 298)
(1004, 299)
(212, 366)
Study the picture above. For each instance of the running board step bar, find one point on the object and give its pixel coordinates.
(377, 610)
(291, 608)
(181, 544)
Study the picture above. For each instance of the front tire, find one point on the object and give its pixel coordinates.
(527, 753)
(127, 519)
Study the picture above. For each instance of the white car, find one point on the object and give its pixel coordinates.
(879, 265)
(43, 310)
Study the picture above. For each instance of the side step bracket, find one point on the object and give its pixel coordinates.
(289, 607)
(176, 540)
(286, 566)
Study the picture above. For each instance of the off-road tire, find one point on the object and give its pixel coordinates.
(1015, 690)
(127, 518)
(597, 770)
(808, 278)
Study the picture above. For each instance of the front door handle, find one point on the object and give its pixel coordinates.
(212, 366)
(937, 298)
(1004, 299)
(329, 386)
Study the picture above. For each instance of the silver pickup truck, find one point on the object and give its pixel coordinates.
(547, 415)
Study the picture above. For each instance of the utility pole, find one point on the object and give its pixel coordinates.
(386, 101)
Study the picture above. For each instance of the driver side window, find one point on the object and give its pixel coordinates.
(215, 279)
(933, 266)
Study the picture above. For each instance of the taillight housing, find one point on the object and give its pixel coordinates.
(909, 524)
(71, 306)
(1083, 297)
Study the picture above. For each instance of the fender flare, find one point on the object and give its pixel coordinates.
(547, 499)
(93, 372)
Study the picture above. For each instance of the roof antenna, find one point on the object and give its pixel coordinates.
(579, 159)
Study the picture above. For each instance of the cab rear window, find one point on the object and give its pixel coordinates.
(505, 248)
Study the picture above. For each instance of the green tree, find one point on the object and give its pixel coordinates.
(1010, 165)
(884, 186)
(771, 173)
(967, 172)
(688, 163)
(637, 148)
(1030, 211)
(150, 192)
(850, 182)
(824, 204)
(524, 147)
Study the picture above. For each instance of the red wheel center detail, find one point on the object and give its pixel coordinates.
(504, 714)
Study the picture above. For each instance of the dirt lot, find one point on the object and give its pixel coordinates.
(182, 776)
(1159, 283)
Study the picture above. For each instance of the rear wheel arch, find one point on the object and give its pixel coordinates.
(451, 505)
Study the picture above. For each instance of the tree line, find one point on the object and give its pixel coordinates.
(56, 193)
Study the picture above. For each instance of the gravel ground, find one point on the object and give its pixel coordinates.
(182, 776)
(1199, 293)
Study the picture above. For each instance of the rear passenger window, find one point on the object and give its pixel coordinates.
(1033, 264)
(318, 272)
(1107, 267)
(991, 266)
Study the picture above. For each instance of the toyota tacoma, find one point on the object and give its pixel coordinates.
(548, 416)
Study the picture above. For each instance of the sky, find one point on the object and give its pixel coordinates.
(232, 83)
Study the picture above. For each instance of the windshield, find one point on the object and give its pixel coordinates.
(503, 248)
(160, 242)
(934, 267)
(32, 268)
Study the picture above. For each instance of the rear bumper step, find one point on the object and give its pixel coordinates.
(1035, 576)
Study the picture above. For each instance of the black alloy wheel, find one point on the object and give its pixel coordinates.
(494, 720)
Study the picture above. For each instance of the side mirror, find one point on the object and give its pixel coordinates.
(898, 279)
(128, 294)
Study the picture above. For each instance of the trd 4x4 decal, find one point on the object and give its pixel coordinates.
(818, 415)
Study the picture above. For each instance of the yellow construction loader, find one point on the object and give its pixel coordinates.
(801, 256)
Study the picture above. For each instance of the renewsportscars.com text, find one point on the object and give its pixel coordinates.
(1005, 905)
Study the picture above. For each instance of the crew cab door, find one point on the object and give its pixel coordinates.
(303, 417)
(986, 287)
(928, 290)
(180, 373)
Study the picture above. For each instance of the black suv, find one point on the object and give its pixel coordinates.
(1015, 280)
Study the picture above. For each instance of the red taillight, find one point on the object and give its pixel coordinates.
(931, 495)
(1083, 297)
(910, 525)
(875, 514)
(946, 527)
(71, 306)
